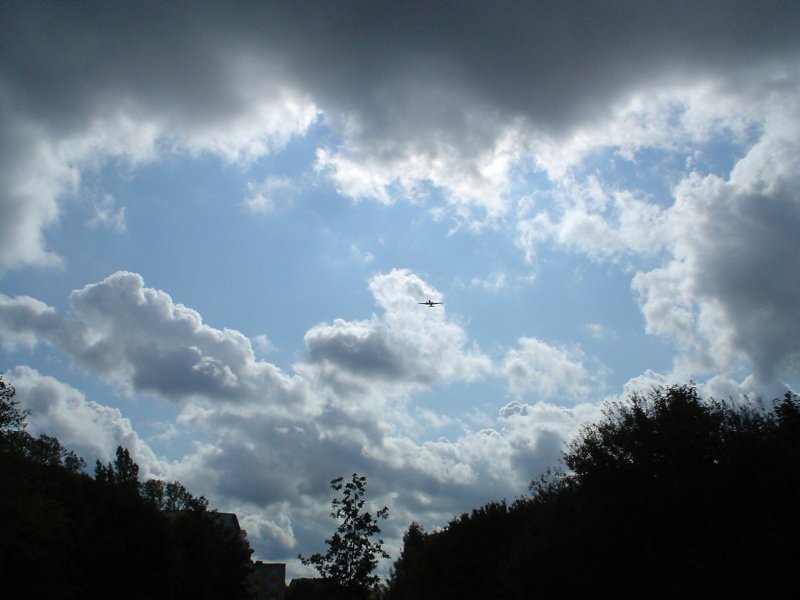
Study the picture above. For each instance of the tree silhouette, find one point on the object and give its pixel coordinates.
(124, 471)
(666, 496)
(352, 556)
(66, 535)
(11, 417)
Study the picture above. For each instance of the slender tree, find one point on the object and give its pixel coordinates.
(349, 564)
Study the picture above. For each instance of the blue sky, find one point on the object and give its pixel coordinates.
(218, 222)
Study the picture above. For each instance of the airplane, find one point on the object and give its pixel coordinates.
(429, 303)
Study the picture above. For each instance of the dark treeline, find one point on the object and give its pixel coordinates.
(666, 497)
(66, 535)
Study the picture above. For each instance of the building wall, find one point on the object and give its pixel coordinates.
(268, 581)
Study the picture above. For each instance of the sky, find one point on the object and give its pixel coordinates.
(218, 220)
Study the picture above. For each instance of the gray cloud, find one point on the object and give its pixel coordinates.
(737, 239)
(408, 345)
(362, 347)
(139, 338)
(408, 87)
(550, 62)
(90, 429)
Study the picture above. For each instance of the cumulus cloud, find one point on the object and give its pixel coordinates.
(726, 293)
(709, 252)
(540, 368)
(129, 102)
(142, 340)
(139, 338)
(92, 430)
(537, 433)
(273, 440)
(409, 345)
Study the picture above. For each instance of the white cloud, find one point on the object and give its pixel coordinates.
(85, 125)
(726, 292)
(599, 331)
(495, 282)
(274, 440)
(361, 256)
(263, 344)
(406, 347)
(539, 368)
(92, 430)
(138, 338)
(107, 214)
(710, 256)
(474, 187)
(270, 194)
(537, 433)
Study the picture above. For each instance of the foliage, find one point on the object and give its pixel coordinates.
(172, 496)
(15, 439)
(11, 418)
(122, 472)
(66, 535)
(666, 496)
(352, 556)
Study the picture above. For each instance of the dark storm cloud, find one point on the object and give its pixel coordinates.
(550, 61)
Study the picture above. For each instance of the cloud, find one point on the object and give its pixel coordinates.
(539, 368)
(726, 294)
(407, 346)
(129, 102)
(599, 331)
(361, 256)
(537, 433)
(140, 339)
(509, 116)
(92, 430)
(707, 246)
(271, 441)
(495, 282)
(270, 194)
(456, 98)
(106, 214)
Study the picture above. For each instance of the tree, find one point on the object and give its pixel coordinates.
(124, 471)
(352, 556)
(666, 496)
(66, 535)
(11, 417)
(172, 496)
(15, 439)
